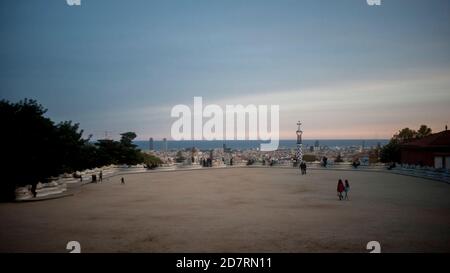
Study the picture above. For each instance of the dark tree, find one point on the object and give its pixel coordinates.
(391, 151)
(423, 131)
(127, 139)
(151, 161)
(108, 152)
(34, 149)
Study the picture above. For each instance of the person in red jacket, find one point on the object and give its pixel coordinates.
(340, 189)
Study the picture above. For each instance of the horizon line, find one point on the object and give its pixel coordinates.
(160, 139)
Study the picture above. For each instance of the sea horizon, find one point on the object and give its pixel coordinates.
(255, 144)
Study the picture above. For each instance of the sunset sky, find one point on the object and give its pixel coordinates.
(345, 69)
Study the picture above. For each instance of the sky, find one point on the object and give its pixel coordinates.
(344, 68)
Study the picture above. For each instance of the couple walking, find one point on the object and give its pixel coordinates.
(341, 188)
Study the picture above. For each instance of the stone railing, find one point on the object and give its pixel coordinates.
(425, 172)
(410, 170)
(59, 184)
(42, 190)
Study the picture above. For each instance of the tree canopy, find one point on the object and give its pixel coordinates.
(391, 151)
(34, 148)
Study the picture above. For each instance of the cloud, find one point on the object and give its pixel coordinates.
(360, 109)
(356, 109)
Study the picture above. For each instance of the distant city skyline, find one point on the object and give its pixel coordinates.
(347, 70)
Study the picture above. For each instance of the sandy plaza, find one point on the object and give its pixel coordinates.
(236, 210)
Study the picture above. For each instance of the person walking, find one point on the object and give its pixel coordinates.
(33, 189)
(101, 176)
(303, 167)
(340, 189)
(324, 161)
(122, 181)
(346, 189)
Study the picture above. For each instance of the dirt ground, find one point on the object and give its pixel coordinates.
(236, 210)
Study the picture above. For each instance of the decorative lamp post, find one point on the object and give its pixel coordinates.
(299, 154)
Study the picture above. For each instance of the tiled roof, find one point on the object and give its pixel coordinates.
(441, 139)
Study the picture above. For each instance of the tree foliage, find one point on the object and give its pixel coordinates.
(151, 161)
(309, 158)
(34, 148)
(391, 151)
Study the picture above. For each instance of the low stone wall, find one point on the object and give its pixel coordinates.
(59, 185)
(42, 190)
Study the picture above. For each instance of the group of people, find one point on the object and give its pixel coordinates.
(343, 188)
(94, 178)
(206, 162)
(100, 178)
